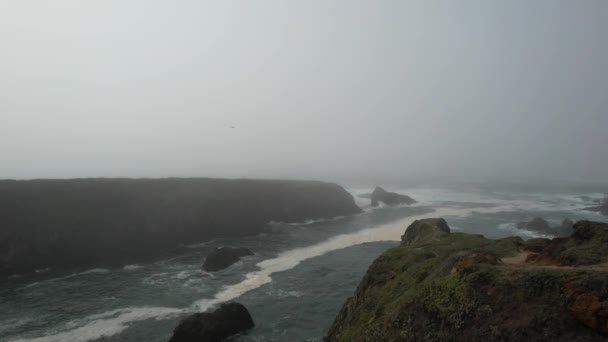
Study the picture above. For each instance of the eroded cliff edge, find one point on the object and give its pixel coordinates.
(463, 287)
(86, 222)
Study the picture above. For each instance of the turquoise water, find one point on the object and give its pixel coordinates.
(294, 285)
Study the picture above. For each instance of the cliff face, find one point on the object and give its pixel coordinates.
(468, 288)
(83, 222)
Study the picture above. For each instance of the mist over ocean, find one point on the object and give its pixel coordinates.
(294, 285)
(137, 137)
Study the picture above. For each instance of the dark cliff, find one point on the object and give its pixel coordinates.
(84, 222)
(464, 287)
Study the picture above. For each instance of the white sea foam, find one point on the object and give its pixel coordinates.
(307, 222)
(13, 324)
(70, 276)
(524, 233)
(284, 294)
(114, 322)
(290, 259)
(134, 267)
(525, 201)
(201, 244)
(94, 271)
(106, 324)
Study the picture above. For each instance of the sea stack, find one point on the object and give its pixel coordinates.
(389, 198)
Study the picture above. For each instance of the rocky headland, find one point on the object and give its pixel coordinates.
(450, 286)
(62, 224)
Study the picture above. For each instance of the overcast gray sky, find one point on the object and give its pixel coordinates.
(331, 90)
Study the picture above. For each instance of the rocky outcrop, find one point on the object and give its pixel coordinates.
(425, 231)
(588, 303)
(103, 222)
(223, 257)
(463, 287)
(228, 320)
(389, 198)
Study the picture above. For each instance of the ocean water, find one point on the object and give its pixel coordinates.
(294, 285)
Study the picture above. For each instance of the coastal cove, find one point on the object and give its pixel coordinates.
(145, 301)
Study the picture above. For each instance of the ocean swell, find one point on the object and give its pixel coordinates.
(114, 322)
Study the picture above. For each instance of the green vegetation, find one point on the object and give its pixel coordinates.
(450, 290)
(536, 245)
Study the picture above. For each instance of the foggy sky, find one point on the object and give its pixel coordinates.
(330, 90)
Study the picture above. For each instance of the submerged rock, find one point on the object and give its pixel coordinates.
(424, 231)
(220, 258)
(228, 320)
(389, 198)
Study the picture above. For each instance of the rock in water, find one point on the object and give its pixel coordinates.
(424, 231)
(537, 224)
(389, 198)
(223, 257)
(228, 320)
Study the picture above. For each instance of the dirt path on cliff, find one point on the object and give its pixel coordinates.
(519, 261)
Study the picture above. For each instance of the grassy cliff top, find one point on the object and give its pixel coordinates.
(465, 287)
